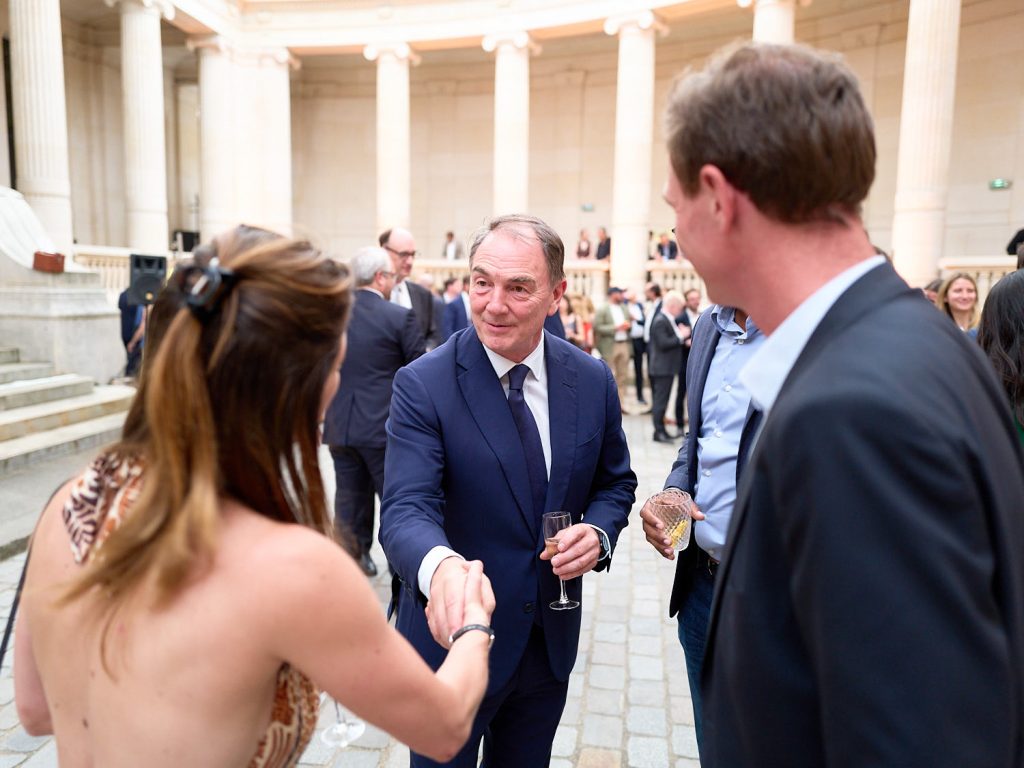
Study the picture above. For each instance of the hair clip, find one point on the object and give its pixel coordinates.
(205, 287)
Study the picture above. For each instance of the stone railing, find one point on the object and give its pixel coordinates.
(111, 262)
(675, 275)
(584, 277)
(986, 270)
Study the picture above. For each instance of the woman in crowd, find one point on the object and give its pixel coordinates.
(183, 598)
(1001, 335)
(571, 322)
(583, 245)
(958, 298)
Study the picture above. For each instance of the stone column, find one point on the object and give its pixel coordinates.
(145, 152)
(216, 136)
(40, 115)
(393, 151)
(634, 132)
(926, 136)
(773, 20)
(511, 120)
(263, 159)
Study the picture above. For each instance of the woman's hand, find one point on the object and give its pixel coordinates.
(480, 600)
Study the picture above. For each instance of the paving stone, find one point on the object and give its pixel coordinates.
(647, 608)
(645, 646)
(9, 761)
(607, 632)
(607, 677)
(646, 721)
(602, 731)
(19, 741)
(356, 758)
(613, 654)
(373, 738)
(646, 668)
(576, 684)
(6, 688)
(557, 762)
(565, 741)
(44, 758)
(8, 717)
(398, 756)
(646, 693)
(647, 752)
(681, 710)
(317, 753)
(571, 713)
(599, 758)
(639, 625)
(685, 762)
(684, 741)
(605, 702)
(615, 598)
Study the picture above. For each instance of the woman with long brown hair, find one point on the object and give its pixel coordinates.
(183, 598)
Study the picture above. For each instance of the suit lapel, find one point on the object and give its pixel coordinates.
(562, 412)
(878, 286)
(488, 405)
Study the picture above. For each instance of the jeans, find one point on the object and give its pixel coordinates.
(693, 633)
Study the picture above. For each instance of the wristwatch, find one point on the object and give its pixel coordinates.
(469, 628)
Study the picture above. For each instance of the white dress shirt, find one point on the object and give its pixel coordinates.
(400, 295)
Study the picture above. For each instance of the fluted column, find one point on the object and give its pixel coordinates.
(40, 115)
(926, 135)
(145, 149)
(511, 120)
(634, 131)
(393, 151)
(773, 20)
(216, 136)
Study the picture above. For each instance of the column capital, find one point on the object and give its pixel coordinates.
(164, 7)
(399, 50)
(245, 54)
(519, 39)
(644, 20)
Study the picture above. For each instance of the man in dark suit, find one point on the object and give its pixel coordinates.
(604, 244)
(667, 248)
(499, 425)
(401, 245)
(871, 592)
(456, 312)
(382, 337)
(665, 348)
(686, 318)
(708, 468)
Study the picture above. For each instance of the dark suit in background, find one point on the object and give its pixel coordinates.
(455, 317)
(680, 413)
(869, 609)
(382, 337)
(426, 312)
(664, 350)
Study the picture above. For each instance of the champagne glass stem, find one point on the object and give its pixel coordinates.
(561, 586)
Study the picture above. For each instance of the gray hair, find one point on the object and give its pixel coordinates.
(367, 262)
(526, 228)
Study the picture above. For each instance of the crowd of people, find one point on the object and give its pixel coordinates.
(854, 590)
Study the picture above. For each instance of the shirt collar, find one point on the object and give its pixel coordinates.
(368, 289)
(768, 369)
(725, 319)
(534, 361)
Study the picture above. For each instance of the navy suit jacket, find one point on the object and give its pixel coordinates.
(382, 337)
(869, 609)
(423, 307)
(455, 475)
(455, 318)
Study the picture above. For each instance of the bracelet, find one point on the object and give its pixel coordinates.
(469, 628)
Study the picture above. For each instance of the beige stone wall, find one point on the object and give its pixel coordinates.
(571, 130)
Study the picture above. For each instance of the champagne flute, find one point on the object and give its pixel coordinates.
(344, 731)
(553, 523)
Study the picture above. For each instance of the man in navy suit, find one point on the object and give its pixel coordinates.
(869, 605)
(501, 424)
(382, 337)
(456, 312)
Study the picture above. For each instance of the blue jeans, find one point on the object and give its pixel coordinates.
(693, 633)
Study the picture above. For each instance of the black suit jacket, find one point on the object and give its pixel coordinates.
(382, 337)
(423, 307)
(665, 348)
(868, 610)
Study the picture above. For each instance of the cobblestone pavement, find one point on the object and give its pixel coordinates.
(628, 706)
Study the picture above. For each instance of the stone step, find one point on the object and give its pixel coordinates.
(32, 449)
(20, 371)
(17, 394)
(9, 355)
(29, 419)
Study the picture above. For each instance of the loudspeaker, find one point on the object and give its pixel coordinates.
(148, 274)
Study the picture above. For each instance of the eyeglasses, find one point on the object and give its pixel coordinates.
(402, 254)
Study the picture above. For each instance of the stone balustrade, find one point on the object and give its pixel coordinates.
(111, 262)
(675, 276)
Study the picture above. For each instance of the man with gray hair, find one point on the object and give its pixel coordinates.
(869, 605)
(382, 337)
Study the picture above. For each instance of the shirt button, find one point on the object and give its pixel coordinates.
(528, 607)
(728, 388)
(718, 433)
(707, 473)
(739, 341)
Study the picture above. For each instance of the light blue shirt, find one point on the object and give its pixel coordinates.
(723, 409)
(768, 370)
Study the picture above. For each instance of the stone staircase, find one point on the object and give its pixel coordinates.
(43, 415)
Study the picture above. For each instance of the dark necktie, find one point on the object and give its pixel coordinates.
(530, 437)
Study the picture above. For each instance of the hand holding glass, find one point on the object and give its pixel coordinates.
(673, 507)
(553, 523)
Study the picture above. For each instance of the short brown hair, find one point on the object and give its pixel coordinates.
(514, 225)
(785, 124)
